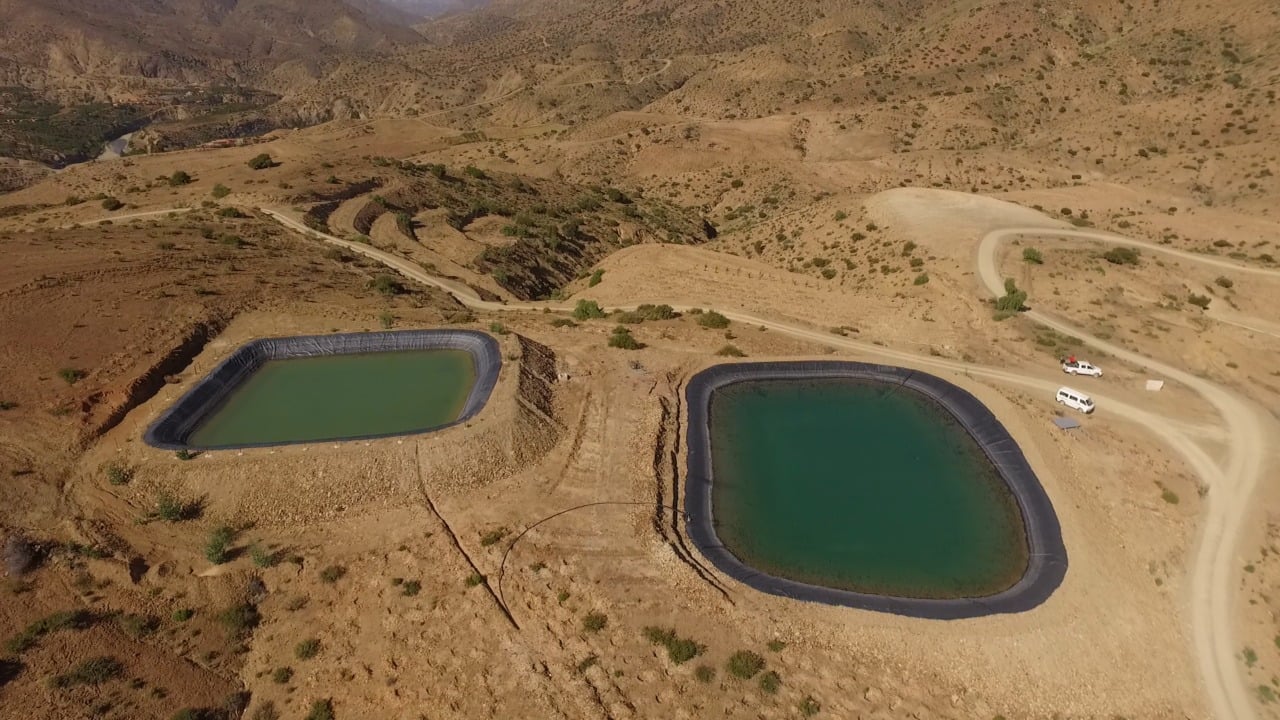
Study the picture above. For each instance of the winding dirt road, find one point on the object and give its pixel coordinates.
(1245, 428)
(1231, 482)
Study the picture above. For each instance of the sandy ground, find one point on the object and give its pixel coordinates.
(1159, 494)
(1242, 458)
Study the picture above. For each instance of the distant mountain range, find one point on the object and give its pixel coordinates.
(432, 8)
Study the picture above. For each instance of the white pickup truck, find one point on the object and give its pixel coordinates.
(1080, 367)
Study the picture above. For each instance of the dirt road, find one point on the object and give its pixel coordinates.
(1231, 481)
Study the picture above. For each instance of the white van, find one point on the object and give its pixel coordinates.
(1075, 399)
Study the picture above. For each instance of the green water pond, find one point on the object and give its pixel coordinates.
(342, 396)
(860, 485)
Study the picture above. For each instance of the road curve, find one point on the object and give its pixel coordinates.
(1231, 485)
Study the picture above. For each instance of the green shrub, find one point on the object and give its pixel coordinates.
(1201, 301)
(1121, 256)
(94, 671)
(387, 285)
(776, 645)
(770, 682)
(679, 650)
(623, 339)
(239, 620)
(220, 191)
(118, 474)
(282, 675)
(498, 328)
(1032, 256)
(1013, 299)
(169, 508)
(179, 177)
(594, 622)
(411, 588)
(307, 649)
(474, 579)
(31, 634)
(261, 556)
(730, 351)
(705, 673)
(475, 172)
(714, 320)
(183, 614)
(71, 376)
(231, 212)
(745, 664)
(921, 279)
(137, 626)
(493, 537)
(563, 322)
(332, 574)
(111, 204)
(321, 710)
(1224, 282)
(261, 162)
(596, 277)
(809, 707)
(219, 543)
(587, 310)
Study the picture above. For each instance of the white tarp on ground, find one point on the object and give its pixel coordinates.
(1155, 385)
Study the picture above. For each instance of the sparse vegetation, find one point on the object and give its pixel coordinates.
(220, 191)
(745, 664)
(387, 285)
(282, 675)
(111, 204)
(587, 310)
(411, 588)
(770, 682)
(261, 161)
(71, 376)
(809, 706)
(679, 650)
(321, 710)
(921, 279)
(307, 649)
(118, 474)
(730, 351)
(713, 320)
(1224, 282)
(1033, 256)
(1121, 256)
(493, 537)
(1012, 302)
(239, 620)
(704, 673)
(622, 339)
(216, 549)
(94, 671)
(172, 509)
(178, 178)
(332, 574)
(31, 635)
(1200, 301)
(594, 622)
(595, 279)
(475, 579)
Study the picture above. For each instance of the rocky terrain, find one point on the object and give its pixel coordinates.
(839, 178)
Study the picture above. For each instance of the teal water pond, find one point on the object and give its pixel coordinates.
(341, 396)
(860, 485)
